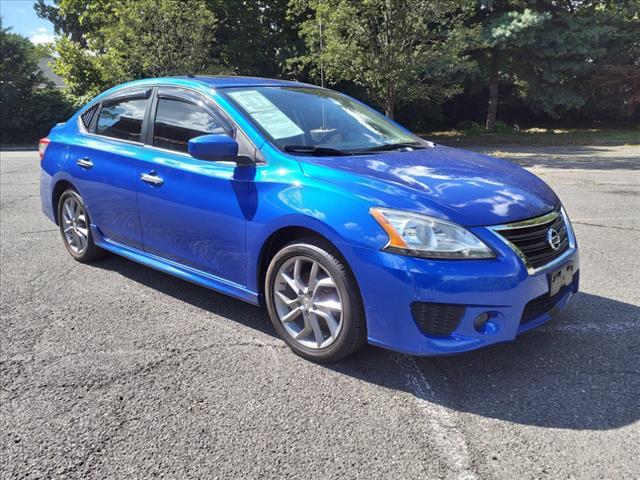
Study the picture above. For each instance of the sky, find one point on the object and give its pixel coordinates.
(22, 18)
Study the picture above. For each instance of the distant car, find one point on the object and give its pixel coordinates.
(346, 225)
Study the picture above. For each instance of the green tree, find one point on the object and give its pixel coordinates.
(254, 37)
(81, 70)
(558, 58)
(29, 103)
(104, 43)
(70, 18)
(394, 49)
(80, 44)
(613, 83)
(541, 47)
(19, 76)
(153, 38)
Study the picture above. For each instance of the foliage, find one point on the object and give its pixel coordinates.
(80, 70)
(395, 49)
(29, 104)
(254, 37)
(613, 84)
(72, 18)
(48, 106)
(151, 38)
(78, 23)
(104, 43)
(428, 62)
(540, 47)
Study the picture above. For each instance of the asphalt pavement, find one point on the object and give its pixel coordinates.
(113, 370)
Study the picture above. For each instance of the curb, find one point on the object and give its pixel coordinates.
(29, 148)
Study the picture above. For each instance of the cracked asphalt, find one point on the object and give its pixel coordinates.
(113, 370)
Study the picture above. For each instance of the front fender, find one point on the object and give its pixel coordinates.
(286, 198)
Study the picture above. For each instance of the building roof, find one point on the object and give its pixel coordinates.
(44, 64)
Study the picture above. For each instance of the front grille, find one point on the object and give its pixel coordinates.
(532, 240)
(437, 319)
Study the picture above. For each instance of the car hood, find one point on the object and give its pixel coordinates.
(466, 187)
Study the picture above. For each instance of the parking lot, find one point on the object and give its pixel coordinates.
(113, 370)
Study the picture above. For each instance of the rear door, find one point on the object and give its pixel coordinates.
(105, 164)
(192, 210)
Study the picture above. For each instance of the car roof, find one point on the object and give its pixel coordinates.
(238, 81)
(202, 82)
(220, 81)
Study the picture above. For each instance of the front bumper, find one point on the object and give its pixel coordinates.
(503, 286)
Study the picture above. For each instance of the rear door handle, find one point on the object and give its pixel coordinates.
(151, 178)
(85, 163)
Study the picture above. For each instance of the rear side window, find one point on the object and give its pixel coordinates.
(122, 119)
(178, 121)
(87, 117)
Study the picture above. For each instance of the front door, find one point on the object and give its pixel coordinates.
(190, 210)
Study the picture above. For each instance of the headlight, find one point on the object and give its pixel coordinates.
(422, 236)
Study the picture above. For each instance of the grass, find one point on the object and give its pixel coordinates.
(549, 137)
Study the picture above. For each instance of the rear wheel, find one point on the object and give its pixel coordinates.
(75, 227)
(314, 302)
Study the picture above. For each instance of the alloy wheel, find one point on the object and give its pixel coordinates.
(74, 225)
(308, 302)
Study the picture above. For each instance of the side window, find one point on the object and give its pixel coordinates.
(122, 119)
(87, 116)
(178, 121)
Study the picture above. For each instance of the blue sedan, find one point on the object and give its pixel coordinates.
(348, 227)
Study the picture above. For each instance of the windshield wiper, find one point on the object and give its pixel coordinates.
(393, 146)
(314, 149)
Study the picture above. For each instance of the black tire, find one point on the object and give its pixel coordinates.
(90, 250)
(352, 334)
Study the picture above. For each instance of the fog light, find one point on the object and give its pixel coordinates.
(480, 321)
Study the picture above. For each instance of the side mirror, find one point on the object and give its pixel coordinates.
(215, 147)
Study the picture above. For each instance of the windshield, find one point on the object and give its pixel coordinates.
(311, 120)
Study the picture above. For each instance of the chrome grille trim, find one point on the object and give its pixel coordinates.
(532, 222)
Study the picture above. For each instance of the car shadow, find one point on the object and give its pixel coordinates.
(195, 295)
(580, 371)
(568, 157)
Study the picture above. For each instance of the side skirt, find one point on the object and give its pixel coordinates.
(177, 270)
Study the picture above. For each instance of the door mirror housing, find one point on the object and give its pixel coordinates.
(214, 147)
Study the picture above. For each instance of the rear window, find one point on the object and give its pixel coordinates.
(122, 119)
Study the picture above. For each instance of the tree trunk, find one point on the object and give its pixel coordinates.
(390, 103)
(388, 110)
(493, 94)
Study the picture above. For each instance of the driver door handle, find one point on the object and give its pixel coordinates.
(85, 163)
(151, 178)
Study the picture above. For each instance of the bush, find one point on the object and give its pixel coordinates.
(502, 127)
(49, 106)
(37, 113)
(29, 103)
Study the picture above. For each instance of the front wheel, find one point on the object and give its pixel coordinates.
(314, 302)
